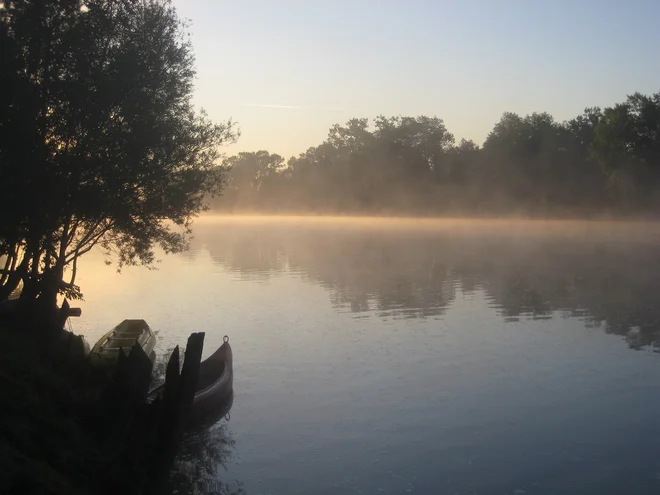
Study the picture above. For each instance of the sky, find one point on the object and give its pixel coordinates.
(286, 71)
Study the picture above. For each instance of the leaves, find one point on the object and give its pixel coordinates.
(99, 141)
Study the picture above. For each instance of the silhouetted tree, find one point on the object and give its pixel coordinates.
(99, 141)
(249, 175)
(627, 146)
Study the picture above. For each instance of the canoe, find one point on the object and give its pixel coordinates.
(106, 351)
(203, 422)
(215, 383)
(214, 390)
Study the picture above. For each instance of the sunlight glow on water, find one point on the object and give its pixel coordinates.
(427, 357)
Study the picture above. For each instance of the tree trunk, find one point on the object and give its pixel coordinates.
(53, 275)
(31, 278)
(74, 269)
(14, 279)
(50, 286)
(10, 264)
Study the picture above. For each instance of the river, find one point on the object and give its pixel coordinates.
(415, 356)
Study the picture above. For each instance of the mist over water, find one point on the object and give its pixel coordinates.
(491, 354)
(417, 355)
(603, 271)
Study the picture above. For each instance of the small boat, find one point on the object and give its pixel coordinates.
(215, 383)
(106, 351)
(214, 391)
(203, 422)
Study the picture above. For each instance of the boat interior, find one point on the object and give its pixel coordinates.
(117, 343)
(210, 373)
(126, 333)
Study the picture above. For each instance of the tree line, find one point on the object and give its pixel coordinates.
(602, 161)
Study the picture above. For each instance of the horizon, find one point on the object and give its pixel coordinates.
(286, 73)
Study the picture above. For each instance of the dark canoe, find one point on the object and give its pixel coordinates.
(215, 383)
(219, 411)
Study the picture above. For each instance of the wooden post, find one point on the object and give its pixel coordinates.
(178, 396)
(140, 438)
(63, 314)
(172, 377)
(190, 374)
(127, 391)
(122, 415)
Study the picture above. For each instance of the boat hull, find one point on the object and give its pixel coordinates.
(215, 383)
(214, 390)
(122, 338)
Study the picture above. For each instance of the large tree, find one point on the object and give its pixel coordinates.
(248, 174)
(99, 140)
(627, 146)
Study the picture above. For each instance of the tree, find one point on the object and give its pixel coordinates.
(627, 146)
(530, 160)
(583, 127)
(99, 141)
(600, 160)
(247, 175)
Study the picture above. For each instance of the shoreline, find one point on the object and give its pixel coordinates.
(329, 217)
(65, 425)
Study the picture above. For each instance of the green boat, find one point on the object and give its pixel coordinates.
(106, 351)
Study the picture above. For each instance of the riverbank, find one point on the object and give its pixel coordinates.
(47, 445)
(67, 428)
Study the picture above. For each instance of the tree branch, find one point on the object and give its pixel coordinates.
(90, 243)
(88, 235)
(9, 266)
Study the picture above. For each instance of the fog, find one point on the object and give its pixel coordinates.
(601, 163)
(508, 227)
(108, 158)
(604, 271)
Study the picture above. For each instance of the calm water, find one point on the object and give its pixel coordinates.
(416, 357)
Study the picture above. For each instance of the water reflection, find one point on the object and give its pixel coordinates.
(205, 450)
(607, 277)
(201, 461)
(252, 254)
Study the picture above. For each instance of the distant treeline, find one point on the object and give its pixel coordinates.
(602, 161)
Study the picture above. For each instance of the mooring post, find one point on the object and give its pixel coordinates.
(190, 374)
(178, 396)
(63, 314)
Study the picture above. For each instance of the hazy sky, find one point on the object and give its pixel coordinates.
(288, 70)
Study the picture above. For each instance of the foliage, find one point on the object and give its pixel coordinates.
(99, 141)
(249, 175)
(602, 161)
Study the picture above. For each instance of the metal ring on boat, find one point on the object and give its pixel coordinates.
(227, 417)
(225, 338)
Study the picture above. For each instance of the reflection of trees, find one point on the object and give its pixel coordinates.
(199, 463)
(205, 449)
(416, 273)
(386, 273)
(252, 254)
(606, 283)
